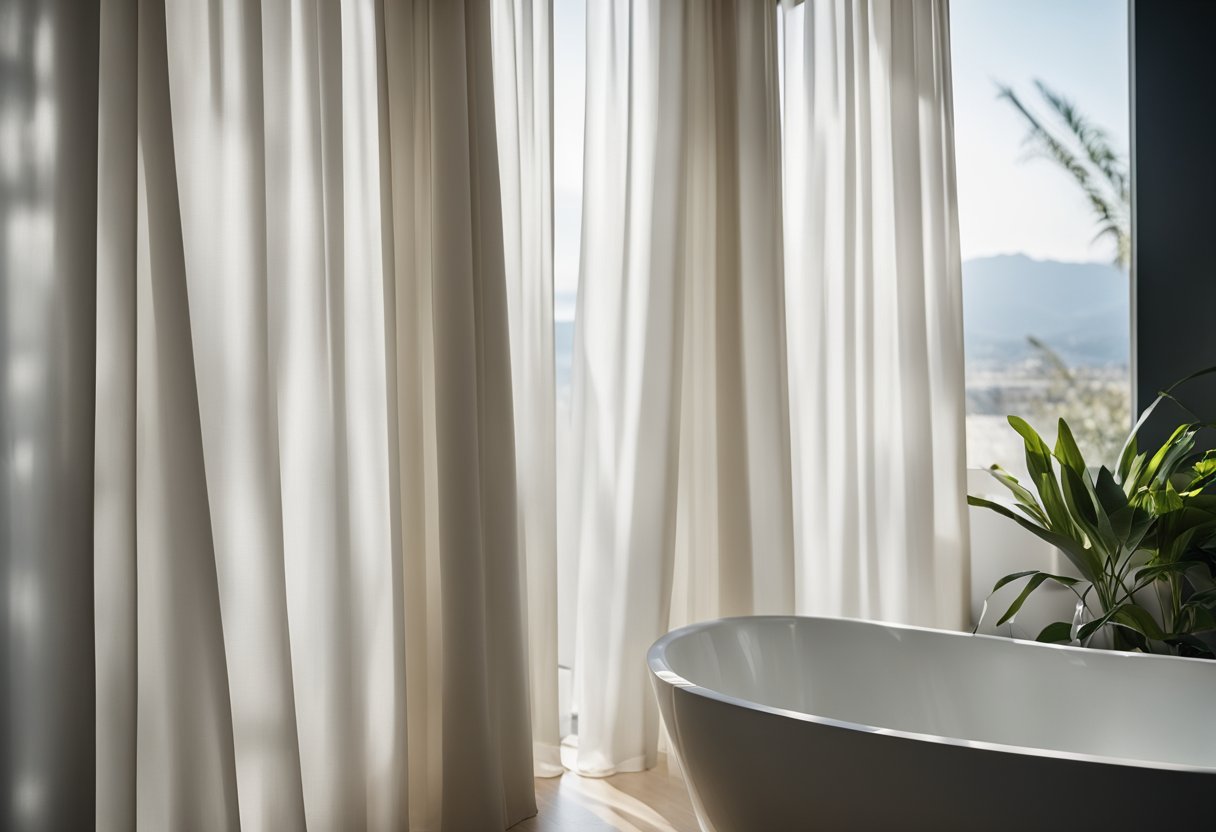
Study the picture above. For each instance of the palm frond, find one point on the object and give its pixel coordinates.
(1052, 359)
(1094, 140)
(1083, 151)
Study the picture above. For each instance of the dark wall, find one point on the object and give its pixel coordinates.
(1174, 168)
(48, 257)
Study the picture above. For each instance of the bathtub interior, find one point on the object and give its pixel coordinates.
(964, 687)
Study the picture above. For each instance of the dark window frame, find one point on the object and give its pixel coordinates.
(1173, 162)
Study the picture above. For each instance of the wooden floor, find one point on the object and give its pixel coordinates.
(649, 801)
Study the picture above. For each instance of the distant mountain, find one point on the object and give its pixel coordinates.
(563, 304)
(1079, 309)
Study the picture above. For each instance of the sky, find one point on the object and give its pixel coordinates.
(1007, 202)
(569, 38)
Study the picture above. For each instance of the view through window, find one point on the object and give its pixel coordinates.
(1041, 134)
(1044, 231)
(569, 70)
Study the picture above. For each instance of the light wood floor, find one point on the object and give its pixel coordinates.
(649, 801)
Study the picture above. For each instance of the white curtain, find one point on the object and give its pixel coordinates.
(874, 300)
(323, 486)
(688, 505)
(309, 583)
(523, 74)
(684, 502)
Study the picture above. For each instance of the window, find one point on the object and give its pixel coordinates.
(1044, 220)
(569, 70)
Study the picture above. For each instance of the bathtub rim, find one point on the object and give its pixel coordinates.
(656, 662)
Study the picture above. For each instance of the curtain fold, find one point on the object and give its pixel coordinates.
(487, 732)
(309, 572)
(874, 294)
(713, 479)
(321, 447)
(523, 81)
(684, 505)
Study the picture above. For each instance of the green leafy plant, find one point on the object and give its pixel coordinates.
(1093, 402)
(1141, 537)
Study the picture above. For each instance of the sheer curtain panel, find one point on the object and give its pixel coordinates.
(874, 310)
(684, 503)
(285, 537)
(523, 80)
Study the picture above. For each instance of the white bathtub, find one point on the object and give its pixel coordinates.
(786, 723)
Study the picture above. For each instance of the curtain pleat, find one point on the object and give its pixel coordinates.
(182, 680)
(874, 315)
(310, 575)
(321, 439)
(684, 505)
(523, 71)
(114, 510)
(487, 733)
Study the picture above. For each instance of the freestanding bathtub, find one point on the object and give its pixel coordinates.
(785, 723)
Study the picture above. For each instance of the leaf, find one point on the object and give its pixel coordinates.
(1203, 474)
(1056, 508)
(1080, 557)
(1128, 454)
(1110, 495)
(1149, 475)
(1150, 573)
(1206, 465)
(1137, 522)
(1130, 444)
(1199, 646)
(1137, 618)
(1176, 546)
(1177, 450)
(1132, 478)
(1091, 627)
(1025, 500)
(1076, 496)
(1008, 579)
(1036, 580)
(1200, 578)
(1038, 464)
(1204, 600)
(1200, 619)
(1164, 500)
(1067, 451)
(1055, 633)
(1083, 508)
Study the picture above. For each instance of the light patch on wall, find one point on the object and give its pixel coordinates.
(24, 375)
(43, 134)
(44, 50)
(29, 799)
(23, 459)
(24, 604)
(31, 236)
(10, 32)
(11, 162)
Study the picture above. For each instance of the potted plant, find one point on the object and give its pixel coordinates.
(1141, 537)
